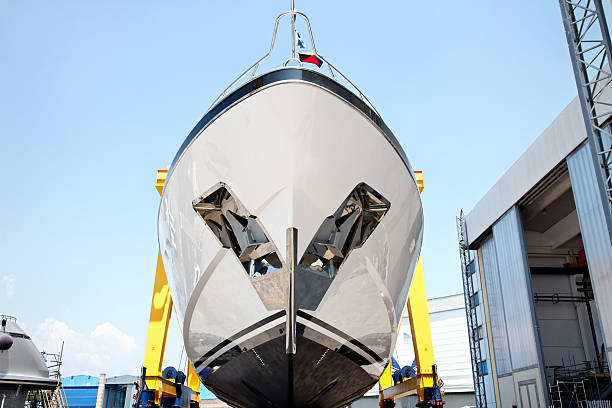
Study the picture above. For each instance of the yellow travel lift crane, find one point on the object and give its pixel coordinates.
(425, 384)
(165, 388)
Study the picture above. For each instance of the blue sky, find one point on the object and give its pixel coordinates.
(95, 96)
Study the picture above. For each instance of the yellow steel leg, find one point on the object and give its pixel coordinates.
(421, 342)
(421, 331)
(385, 381)
(161, 310)
(159, 320)
(193, 381)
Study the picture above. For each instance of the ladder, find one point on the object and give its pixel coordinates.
(467, 272)
(581, 397)
(56, 398)
(555, 396)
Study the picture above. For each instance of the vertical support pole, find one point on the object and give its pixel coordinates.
(590, 49)
(293, 29)
(101, 387)
(587, 302)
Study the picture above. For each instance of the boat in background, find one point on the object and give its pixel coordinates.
(290, 226)
(22, 367)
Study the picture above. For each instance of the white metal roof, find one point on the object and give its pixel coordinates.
(559, 139)
(446, 303)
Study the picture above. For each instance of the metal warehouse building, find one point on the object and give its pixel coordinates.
(82, 390)
(537, 268)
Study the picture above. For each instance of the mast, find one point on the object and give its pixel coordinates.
(293, 29)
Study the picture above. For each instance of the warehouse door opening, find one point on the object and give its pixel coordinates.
(570, 331)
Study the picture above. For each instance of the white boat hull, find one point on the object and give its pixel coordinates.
(289, 154)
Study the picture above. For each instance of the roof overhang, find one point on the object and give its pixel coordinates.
(566, 133)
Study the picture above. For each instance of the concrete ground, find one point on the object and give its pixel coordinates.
(454, 400)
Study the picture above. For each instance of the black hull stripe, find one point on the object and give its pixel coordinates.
(228, 342)
(238, 335)
(340, 333)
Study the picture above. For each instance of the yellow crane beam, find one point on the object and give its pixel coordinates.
(420, 328)
(159, 321)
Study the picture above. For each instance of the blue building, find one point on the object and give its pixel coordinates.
(82, 390)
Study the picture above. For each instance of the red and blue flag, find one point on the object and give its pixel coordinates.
(311, 58)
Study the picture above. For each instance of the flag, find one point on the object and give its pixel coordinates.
(298, 39)
(311, 58)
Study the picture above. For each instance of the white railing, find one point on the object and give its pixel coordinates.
(252, 70)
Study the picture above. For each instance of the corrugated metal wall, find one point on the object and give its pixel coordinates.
(595, 232)
(518, 298)
(485, 354)
(80, 381)
(496, 309)
(511, 310)
(81, 397)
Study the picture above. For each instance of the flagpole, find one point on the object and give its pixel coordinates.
(293, 29)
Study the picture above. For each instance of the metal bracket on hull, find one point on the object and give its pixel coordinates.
(239, 230)
(346, 229)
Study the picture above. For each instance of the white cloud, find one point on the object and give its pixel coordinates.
(105, 350)
(108, 332)
(8, 283)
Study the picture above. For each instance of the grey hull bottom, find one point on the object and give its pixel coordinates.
(265, 376)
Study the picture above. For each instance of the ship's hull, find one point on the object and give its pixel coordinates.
(291, 150)
(22, 367)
